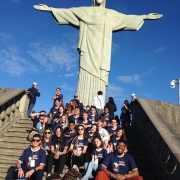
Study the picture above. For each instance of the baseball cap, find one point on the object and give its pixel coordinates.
(35, 83)
(133, 94)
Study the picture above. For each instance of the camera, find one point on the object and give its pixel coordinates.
(172, 84)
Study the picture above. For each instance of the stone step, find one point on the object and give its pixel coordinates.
(131, 139)
(22, 125)
(28, 119)
(5, 169)
(24, 122)
(132, 135)
(15, 140)
(8, 145)
(3, 175)
(25, 130)
(137, 156)
(12, 152)
(8, 158)
(143, 164)
(15, 134)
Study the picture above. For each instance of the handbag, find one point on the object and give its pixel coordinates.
(72, 174)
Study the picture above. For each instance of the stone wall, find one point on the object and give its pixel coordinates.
(13, 106)
(171, 112)
(161, 138)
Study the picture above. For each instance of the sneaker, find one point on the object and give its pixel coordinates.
(75, 167)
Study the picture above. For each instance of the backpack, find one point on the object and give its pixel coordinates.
(72, 174)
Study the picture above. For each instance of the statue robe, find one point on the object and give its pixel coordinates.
(96, 25)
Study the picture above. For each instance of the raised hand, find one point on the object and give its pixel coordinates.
(42, 7)
(153, 16)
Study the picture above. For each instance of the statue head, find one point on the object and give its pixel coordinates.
(99, 3)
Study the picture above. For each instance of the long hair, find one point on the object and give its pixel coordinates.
(85, 136)
(111, 100)
(59, 140)
(97, 137)
(95, 4)
(123, 133)
(44, 140)
(96, 133)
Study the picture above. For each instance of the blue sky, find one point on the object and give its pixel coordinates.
(34, 48)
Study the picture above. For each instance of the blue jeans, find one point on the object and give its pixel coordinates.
(89, 167)
(30, 108)
(52, 124)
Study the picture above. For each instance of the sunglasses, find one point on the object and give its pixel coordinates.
(47, 132)
(35, 140)
(80, 129)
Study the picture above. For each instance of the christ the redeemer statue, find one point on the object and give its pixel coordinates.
(96, 25)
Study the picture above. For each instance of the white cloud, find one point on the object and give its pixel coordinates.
(149, 71)
(53, 57)
(69, 75)
(135, 78)
(159, 49)
(115, 47)
(12, 63)
(114, 91)
(65, 87)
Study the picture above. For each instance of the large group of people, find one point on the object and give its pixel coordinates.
(75, 136)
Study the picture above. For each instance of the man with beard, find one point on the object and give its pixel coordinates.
(117, 164)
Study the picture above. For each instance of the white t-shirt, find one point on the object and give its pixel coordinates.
(104, 134)
(98, 102)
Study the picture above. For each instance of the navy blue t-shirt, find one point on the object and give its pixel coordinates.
(107, 118)
(75, 119)
(90, 136)
(54, 110)
(81, 143)
(112, 131)
(92, 118)
(99, 155)
(58, 96)
(29, 155)
(71, 133)
(84, 123)
(114, 141)
(57, 145)
(119, 164)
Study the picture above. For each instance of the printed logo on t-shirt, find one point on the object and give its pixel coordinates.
(117, 166)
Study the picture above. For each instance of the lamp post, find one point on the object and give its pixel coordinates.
(173, 84)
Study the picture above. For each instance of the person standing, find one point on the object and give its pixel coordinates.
(33, 90)
(58, 95)
(31, 164)
(98, 102)
(111, 106)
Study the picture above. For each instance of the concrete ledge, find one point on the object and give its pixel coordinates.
(8, 94)
(171, 112)
(166, 130)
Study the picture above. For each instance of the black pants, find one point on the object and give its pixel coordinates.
(13, 174)
(61, 162)
(78, 160)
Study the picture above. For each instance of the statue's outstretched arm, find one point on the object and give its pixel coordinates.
(152, 16)
(42, 7)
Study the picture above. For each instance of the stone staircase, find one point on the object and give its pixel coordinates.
(138, 151)
(12, 144)
(14, 141)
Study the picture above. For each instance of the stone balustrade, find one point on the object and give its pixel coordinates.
(13, 106)
(161, 138)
